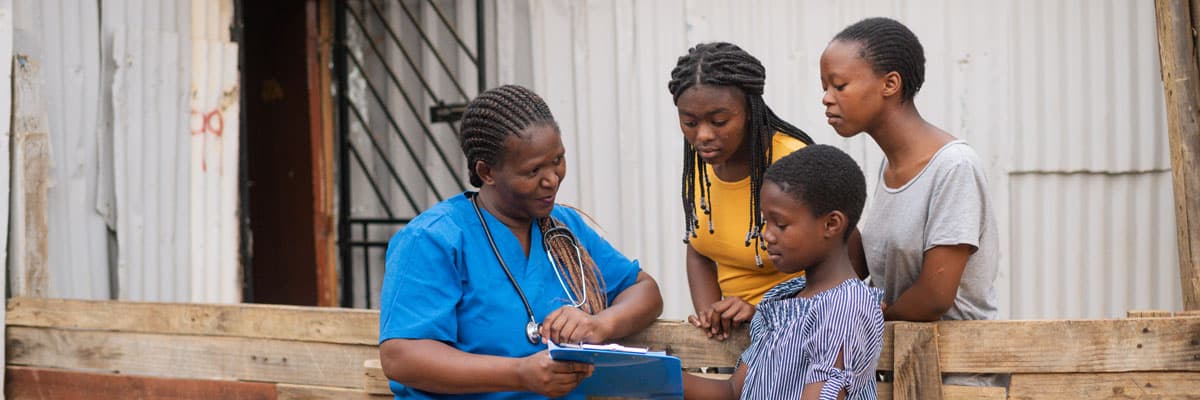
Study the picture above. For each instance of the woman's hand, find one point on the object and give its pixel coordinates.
(720, 318)
(572, 325)
(542, 375)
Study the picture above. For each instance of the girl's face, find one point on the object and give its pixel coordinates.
(529, 173)
(854, 93)
(713, 120)
(796, 240)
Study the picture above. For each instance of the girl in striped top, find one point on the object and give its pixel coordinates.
(816, 336)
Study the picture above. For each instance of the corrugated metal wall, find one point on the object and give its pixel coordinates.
(61, 37)
(1061, 99)
(149, 59)
(118, 89)
(214, 108)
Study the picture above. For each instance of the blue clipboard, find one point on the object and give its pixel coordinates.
(647, 375)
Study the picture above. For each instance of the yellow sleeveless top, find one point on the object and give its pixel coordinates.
(737, 273)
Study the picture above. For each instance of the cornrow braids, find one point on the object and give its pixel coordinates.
(889, 46)
(507, 111)
(726, 64)
(494, 115)
(576, 269)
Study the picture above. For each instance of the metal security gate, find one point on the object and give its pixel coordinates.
(399, 68)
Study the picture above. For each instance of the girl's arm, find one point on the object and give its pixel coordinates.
(702, 280)
(433, 366)
(714, 315)
(933, 293)
(699, 388)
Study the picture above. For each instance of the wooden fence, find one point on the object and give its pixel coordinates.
(110, 349)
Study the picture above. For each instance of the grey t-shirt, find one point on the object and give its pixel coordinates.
(945, 204)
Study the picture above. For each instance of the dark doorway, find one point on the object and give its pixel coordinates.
(288, 152)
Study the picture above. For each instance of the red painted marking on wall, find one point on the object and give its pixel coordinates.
(211, 122)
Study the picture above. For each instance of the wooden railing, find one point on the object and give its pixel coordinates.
(110, 349)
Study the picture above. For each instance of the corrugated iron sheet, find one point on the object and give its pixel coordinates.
(149, 118)
(214, 109)
(214, 172)
(147, 54)
(1038, 88)
(61, 37)
(119, 102)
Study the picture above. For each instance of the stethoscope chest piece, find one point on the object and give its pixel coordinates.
(532, 334)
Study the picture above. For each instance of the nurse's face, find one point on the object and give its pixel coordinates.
(529, 172)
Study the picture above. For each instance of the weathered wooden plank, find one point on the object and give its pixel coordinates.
(1119, 345)
(186, 356)
(694, 349)
(40, 383)
(917, 375)
(1126, 385)
(305, 392)
(31, 161)
(956, 392)
(886, 355)
(1147, 314)
(374, 381)
(1181, 84)
(332, 325)
(952, 392)
(323, 140)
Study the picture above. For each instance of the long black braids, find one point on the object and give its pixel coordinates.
(507, 111)
(889, 46)
(726, 64)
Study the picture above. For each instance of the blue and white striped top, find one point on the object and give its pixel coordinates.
(795, 341)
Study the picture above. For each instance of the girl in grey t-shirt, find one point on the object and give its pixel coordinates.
(929, 235)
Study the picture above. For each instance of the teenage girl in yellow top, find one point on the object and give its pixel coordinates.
(731, 138)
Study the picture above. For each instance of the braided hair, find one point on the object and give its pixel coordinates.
(494, 115)
(889, 46)
(726, 64)
(507, 111)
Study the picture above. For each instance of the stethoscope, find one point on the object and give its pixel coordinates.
(532, 333)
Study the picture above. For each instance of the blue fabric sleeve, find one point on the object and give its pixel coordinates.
(422, 284)
(619, 271)
(850, 323)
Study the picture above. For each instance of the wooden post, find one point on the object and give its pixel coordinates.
(31, 174)
(1181, 83)
(917, 374)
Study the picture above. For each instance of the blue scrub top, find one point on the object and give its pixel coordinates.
(443, 283)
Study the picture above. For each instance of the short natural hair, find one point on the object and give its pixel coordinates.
(825, 179)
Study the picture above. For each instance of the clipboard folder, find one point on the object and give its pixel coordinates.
(624, 373)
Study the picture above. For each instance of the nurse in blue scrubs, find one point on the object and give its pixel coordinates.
(476, 284)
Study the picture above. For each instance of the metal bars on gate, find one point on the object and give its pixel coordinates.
(355, 241)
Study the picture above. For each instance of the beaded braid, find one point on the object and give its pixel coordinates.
(507, 111)
(889, 46)
(726, 64)
(590, 285)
